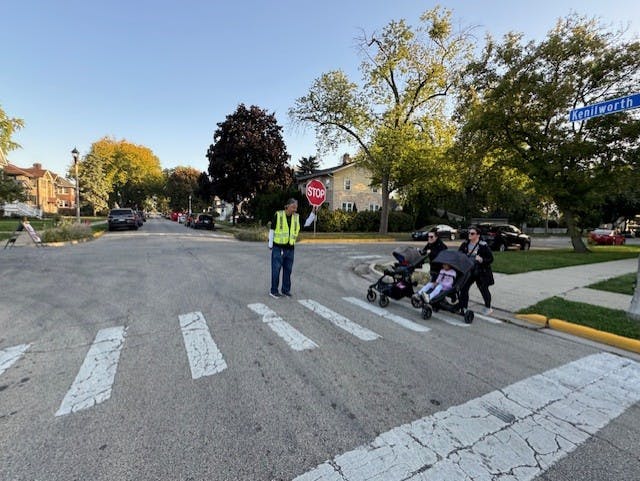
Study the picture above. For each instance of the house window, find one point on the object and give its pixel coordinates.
(347, 206)
(347, 184)
(374, 207)
(374, 189)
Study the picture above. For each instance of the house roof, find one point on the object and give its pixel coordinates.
(11, 169)
(322, 172)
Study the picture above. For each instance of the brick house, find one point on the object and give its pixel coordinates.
(45, 190)
(348, 187)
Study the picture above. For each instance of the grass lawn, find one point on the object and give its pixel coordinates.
(622, 285)
(601, 318)
(514, 262)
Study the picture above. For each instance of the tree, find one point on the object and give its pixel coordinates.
(308, 165)
(248, 156)
(94, 186)
(8, 126)
(10, 190)
(131, 173)
(182, 183)
(519, 96)
(395, 115)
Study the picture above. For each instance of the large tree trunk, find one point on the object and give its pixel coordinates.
(575, 233)
(634, 309)
(384, 211)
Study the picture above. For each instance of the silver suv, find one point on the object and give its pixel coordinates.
(122, 219)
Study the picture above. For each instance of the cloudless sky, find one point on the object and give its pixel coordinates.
(162, 73)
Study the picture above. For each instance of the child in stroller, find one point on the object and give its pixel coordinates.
(444, 281)
(447, 299)
(397, 282)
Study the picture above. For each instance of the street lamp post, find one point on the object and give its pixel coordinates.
(75, 154)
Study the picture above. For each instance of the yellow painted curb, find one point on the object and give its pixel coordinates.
(534, 318)
(595, 335)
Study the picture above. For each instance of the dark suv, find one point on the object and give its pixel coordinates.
(502, 236)
(122, 219)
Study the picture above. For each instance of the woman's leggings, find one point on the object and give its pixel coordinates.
(482, 287)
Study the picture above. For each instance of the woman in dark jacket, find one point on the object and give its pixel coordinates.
(433, 247)
(481, 274)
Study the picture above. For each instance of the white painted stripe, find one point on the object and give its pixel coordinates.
(340, 321)
(296, 340)
(365, 257)
(204, 356)
(513, 433)
(490, 319)
(450, 320)
(95, 377)
(387, 315)
(10, 355)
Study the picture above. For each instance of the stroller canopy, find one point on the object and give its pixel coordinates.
(408, 255)
(456, 259)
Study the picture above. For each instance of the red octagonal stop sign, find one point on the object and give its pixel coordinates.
(316, 193)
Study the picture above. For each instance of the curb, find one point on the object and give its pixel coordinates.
(95, 235)
(614, 340)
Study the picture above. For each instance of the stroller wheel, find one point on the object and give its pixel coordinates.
(384, 301)
(468, 317)
(427, 311)
(371, 295)
(416, 301)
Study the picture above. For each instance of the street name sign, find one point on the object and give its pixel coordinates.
(604, 108)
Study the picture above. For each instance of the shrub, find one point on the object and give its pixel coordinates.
(66, 232)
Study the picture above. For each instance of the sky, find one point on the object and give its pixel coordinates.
(163, 73)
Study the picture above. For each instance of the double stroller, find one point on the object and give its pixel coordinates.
(397, 282)
(448, 299)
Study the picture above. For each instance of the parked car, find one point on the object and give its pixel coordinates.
(175, 215)
(122, 219)
(444, 232)
(501, 237)
(204, 221)
(606, 237)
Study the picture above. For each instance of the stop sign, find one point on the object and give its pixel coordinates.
(316, 193)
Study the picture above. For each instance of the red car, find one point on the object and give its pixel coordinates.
(175, 215)
(606, 237)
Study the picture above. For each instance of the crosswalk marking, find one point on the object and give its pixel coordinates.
(294, 338)
(513, 433)
(10, 355)
(93, 383)
(392, 317)
(340, 321)
(204, 356)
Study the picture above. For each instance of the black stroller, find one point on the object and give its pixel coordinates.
(397, 282)
(448, 299)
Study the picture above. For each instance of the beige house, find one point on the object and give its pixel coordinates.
(348, 187)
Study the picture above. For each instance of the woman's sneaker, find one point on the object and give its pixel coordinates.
(425, 298)
(487, 311)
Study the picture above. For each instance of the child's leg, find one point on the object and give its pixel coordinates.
(428, 286)
(437, 290)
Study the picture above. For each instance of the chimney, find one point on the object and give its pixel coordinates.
(37, 166)
(346, 159)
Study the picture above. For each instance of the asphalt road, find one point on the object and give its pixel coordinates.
(158, 355)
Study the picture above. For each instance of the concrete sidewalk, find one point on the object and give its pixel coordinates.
(517, 291)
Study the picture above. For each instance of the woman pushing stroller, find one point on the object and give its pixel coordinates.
(480, 252)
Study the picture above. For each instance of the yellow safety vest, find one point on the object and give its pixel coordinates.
(284, 233)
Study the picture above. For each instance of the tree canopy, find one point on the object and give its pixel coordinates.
(10, 190)
(308, 165)
(397, 116)
(518, 98)
(248, 156)
(123, 172)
